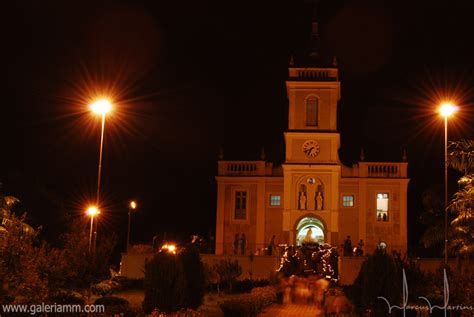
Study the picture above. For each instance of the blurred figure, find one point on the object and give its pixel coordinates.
(348, 246)
(236, 243)
(271, 246)
(360, 248)
(243, 243)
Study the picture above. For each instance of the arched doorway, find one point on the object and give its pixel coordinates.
(307, 223)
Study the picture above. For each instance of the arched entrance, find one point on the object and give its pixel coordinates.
(306, 224)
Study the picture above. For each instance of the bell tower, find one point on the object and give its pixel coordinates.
(312, 169)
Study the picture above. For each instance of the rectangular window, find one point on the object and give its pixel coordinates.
(382, 207)
(275, 200)
(312, 111)
(348, 201)
(240, 212)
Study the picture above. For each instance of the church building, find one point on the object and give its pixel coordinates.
(312, 189)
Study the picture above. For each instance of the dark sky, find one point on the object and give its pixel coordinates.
(189, 76)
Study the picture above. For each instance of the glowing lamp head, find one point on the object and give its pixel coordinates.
(101, 106)
(170, 248)
(92, 211)
(447, 109)
(133, 204)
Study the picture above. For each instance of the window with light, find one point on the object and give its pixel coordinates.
(348, 201)
(382, 207)
(275, 200)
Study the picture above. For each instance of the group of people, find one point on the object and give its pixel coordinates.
(240, 244)
(348, 250)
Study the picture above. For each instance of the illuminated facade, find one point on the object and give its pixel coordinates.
(312, 189)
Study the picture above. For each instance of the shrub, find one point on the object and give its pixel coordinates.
(194, 277)
(380, 275)
(228, 271)
(246, 285)
(249, 304)
(164, 283)
(113, 305)
(106, 287)
(174, 281)
(68, 298)
(127, 283)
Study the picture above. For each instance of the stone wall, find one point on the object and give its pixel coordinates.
(133, 265)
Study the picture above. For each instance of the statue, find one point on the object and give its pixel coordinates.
(302, 201)
(309, 237)
(319, 201)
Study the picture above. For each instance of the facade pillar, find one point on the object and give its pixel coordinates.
(220, 218)
(260, 225)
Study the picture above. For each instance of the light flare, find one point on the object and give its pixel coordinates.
(92, 211)
(101, 106)
(447, 109)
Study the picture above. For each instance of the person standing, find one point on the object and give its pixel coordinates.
(271, 246)
(347, 246)
(360, 247)
(236, 243)
(243, 243)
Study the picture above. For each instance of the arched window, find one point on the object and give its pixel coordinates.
(312, 104)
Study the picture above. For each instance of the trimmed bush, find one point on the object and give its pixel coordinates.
(127, 283)
(380, 275)
(174, 281)
(228, 272)
(194, 277)
(106, 287)
(246, 285)
(164, 283)
(249, 304)
(113, 305)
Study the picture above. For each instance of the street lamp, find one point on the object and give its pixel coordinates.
(446, 110)
(92, 211)
(102, 107)
(131, 207)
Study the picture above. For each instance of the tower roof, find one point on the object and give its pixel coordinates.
(312, 56)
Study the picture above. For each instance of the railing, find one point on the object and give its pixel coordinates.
(385, 170)
(328, 74)
(244, 168)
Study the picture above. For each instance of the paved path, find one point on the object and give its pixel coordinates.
(291, 310)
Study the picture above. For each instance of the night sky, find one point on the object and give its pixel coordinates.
(187, 77)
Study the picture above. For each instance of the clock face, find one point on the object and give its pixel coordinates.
(311, 148)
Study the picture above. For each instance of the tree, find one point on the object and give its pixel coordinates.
(461, 158)
(20, 277)
(460, 208)
(85, 267)
(432, 217)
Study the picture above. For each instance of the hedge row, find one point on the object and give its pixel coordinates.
(249, 304)
(116, 284)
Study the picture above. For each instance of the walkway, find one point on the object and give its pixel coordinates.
(291, 310)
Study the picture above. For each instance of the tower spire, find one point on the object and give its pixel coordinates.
(314, 42)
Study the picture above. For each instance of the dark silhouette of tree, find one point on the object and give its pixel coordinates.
(461, 158)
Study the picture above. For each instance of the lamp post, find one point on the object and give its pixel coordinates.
(102, 107)
(131, 207)
(446, 110)
(92, 211)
